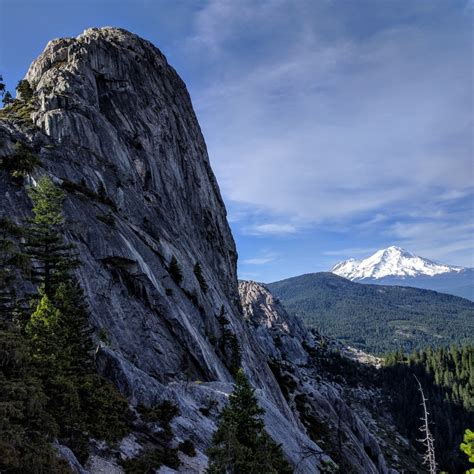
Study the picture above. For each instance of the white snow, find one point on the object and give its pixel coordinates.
(391, 262)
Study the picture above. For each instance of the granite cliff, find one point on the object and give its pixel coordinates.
(112, 124)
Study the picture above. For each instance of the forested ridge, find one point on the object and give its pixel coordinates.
(377, 318)
(447, 378)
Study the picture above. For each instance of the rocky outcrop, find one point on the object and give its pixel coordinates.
(319, 403)
(113, 124)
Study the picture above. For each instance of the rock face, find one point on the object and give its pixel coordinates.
(319, 404)
(113, 124)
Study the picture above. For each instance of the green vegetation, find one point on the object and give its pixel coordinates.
(467, 447)
(447, 378)
(163, 413)
(26, 427)
(24, 90)
(376, 318)
(151, 460)
(107, 219)
(228, 344)
(11, 261)
(49, 388)
(187, 447)
(22, 162)
(45, 244)
(7, 99)
(19, 109)
(6, 95)
(175, 271)
(200, 277)
(240, 443)
(159, 452)
(81, 187)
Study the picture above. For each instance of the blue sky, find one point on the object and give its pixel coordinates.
(334, 127)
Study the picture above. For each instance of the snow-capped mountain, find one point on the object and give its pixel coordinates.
(391, 262)
(396, 266)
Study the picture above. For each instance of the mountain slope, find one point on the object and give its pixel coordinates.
(396, 266)
(320, 381)
(376, 318)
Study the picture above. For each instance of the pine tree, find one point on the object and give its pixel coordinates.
(24, 90)
(241, 444)
(7, 99)
(10, 257)
(200, 277)
(82, 403)
(26, 428)
(45, 246)
(175, 271)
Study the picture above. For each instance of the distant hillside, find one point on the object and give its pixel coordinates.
(377, 318)
(458, 284)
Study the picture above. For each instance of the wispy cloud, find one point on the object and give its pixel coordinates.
(258, 260)
(350, 252)
(271, 229)
(365, 126)
(341, 126)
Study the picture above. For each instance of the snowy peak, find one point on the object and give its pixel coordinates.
(391, 262)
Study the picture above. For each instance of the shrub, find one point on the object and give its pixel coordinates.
(151, 460)
(187, 447)
(107, 219)
(82, 188)
(21, 163)
(162, 413)
(19, 111)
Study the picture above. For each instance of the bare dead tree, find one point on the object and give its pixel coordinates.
(309, 452)
(429, 458)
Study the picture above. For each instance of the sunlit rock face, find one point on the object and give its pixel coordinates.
(113, 124)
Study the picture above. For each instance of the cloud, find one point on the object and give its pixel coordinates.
(350, 252)
(322, 123)
(271, 229)
(258, 260)
(354, 123)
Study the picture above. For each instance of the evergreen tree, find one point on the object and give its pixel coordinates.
(26, 428)
(175, 271)
(10, 258)
(24, 90)
(200, 277)
(7, 99)
(240, 444)
(52, 257)
(82, 403)
(49, 388)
